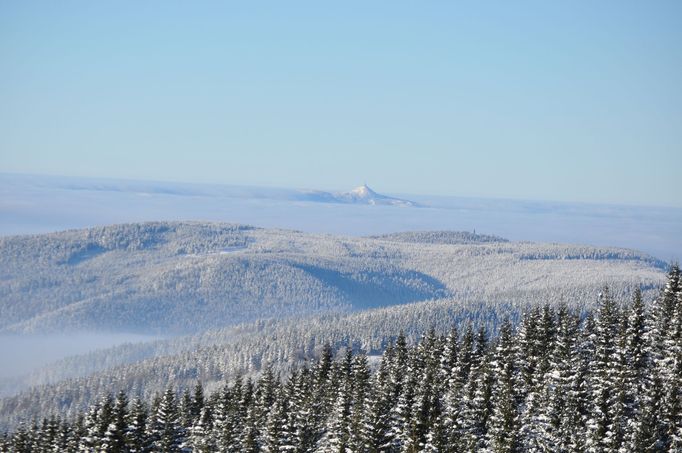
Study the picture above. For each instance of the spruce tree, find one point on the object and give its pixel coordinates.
(166, 432)
(250, 432)
(276, 431)
(426, 407)
(285, 416)
(197, 404)
(305, 421)
(95, 424)
(336, 438)
(604, 375)
(376, 431)
(503, 431)
(21, 440)
(476, 400)
(185, 409)
(114, 440)
(136, 430)
(638, 357)
(360, 404)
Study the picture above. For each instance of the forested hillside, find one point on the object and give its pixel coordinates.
(70, 385)
(607, 380)
(234, 290)
(185, 277)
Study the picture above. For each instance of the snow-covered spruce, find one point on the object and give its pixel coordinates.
(610, 381)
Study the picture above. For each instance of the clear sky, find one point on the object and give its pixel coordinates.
(574, 100)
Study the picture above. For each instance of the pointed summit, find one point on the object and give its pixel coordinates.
(360, 195)
(363, 191)
(365, 195)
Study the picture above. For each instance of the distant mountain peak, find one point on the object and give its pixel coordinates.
(360, 195)
(365, 195)
(364, 191)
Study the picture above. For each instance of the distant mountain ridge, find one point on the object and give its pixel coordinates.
(41, 204)
(360, 195)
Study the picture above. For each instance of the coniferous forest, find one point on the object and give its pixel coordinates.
(349, 227)
(606, 381)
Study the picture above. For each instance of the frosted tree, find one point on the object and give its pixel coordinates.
(563, 386)
(250, 432)
(305, 421)
(136, 431)
(426, 406)
(337, 437)
(275, 436)
(376, 432)
(229, 415)
(201, 438)
(95, 424)
(185, 408)
(477, 397)
(360, 404)
(281, 433)
(603, 419)
(401, 411)
(503, 431)
(114, 440)
(167, 434)
(670, 365)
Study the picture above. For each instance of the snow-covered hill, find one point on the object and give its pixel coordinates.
(173, 277)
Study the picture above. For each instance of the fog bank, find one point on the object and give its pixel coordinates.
(21, 354)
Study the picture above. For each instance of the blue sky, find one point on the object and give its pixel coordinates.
(573, 101)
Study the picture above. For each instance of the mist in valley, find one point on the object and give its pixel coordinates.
(23, 353)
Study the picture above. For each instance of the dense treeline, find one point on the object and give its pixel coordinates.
(441, 237)
(218, 356)
(606, 382)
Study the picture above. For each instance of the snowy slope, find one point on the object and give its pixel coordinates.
(172, 277)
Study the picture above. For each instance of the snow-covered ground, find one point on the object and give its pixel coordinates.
(35, 204)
